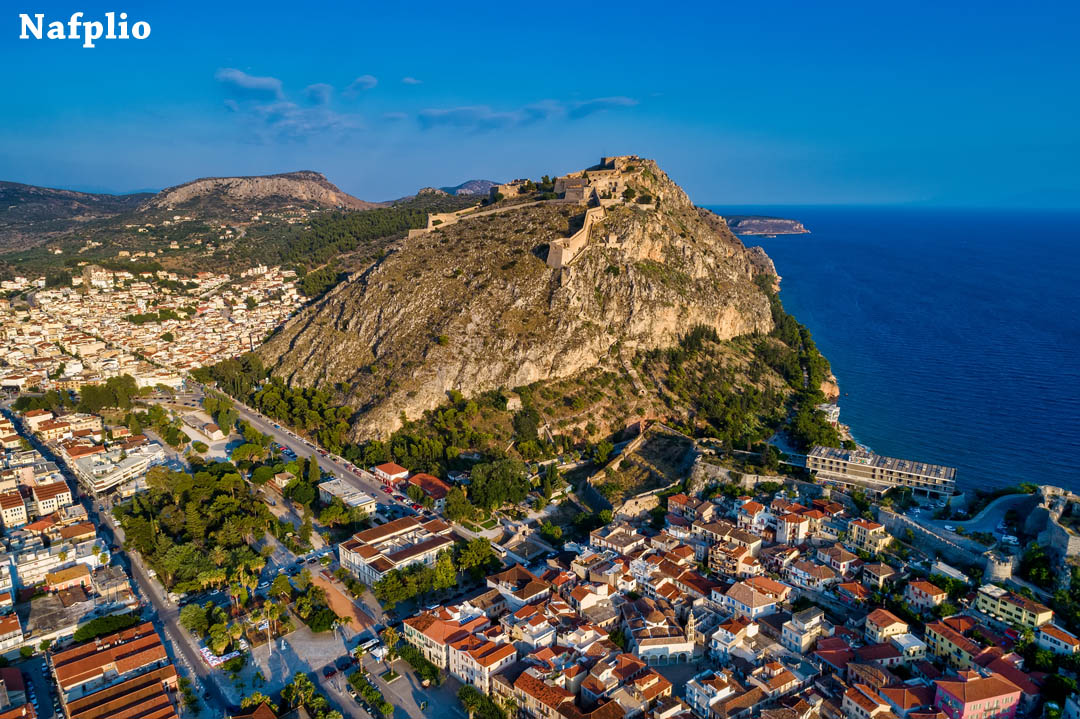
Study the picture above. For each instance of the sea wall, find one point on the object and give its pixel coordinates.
(926, 540)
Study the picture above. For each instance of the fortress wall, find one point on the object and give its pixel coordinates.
(562, 252)
(895, 524)
(1058, 539)
(441, 218)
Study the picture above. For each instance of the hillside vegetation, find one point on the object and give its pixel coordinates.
(474, 306)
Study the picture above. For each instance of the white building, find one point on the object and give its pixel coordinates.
(348, 494)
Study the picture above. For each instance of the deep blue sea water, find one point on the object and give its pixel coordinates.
(955, 334)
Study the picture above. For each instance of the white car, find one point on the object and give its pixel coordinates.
(950, 528)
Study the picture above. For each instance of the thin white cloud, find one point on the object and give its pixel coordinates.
(288, 121)
(242, 85)
(411, 80)
(364, 82)
(319, 93)
(480, 118)
(583, 109)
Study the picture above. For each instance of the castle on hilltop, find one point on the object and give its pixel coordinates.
(603, 183)
(601, 186)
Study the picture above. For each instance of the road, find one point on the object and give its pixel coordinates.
(185, 649)
(986, 521)
(359, 478)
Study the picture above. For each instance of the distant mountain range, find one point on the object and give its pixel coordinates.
(31, 214)
(470, 187)
(30, 210)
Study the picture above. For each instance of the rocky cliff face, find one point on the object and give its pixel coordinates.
(305, 187)
(474, 306)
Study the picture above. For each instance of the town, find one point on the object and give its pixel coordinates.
(174, 551)
(340, 590)
(186, 535)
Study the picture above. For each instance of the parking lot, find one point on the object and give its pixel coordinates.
(39, 687)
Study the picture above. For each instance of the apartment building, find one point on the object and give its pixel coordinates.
(106, 470)
(876, 474)
(620, 537)
(863, 702)
(348, 494)
(33, 563)
(475, 660)
(107, 661)
(972, 696)
(800, 633)
(12, 509)
(50, 497)
(881, 625)
(433, 632)
(390, 472)
(432, 487)
(792, 529)
(946, 641)
(1057, 640)
(867, 536)
(743, 599)
(923, 595)
(372, 553)
(1012, 608)
(11, 633)
(150, 696)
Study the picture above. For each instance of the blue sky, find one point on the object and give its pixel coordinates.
(742, 103)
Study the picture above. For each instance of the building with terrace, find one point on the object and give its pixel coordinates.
(372, 553)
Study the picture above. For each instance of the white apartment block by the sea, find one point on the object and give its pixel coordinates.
(876, 474)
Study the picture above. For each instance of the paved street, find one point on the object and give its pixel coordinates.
(180, 645)
(44, 690)
(183, 648)
(358, 478)
(406, 693)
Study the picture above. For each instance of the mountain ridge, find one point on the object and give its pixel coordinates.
(33, 209)
(303, 186)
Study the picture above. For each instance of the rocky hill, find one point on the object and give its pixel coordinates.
(261, 192)
(30, 210)
(474, 305)
(762, 225)
(471, 187)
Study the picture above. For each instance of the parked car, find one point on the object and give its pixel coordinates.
(950, 528)
(329, 671)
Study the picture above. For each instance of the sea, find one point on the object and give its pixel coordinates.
(954, 334)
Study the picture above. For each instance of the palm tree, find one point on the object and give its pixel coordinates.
(390, 638)
(470, 698)
(218, 555)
